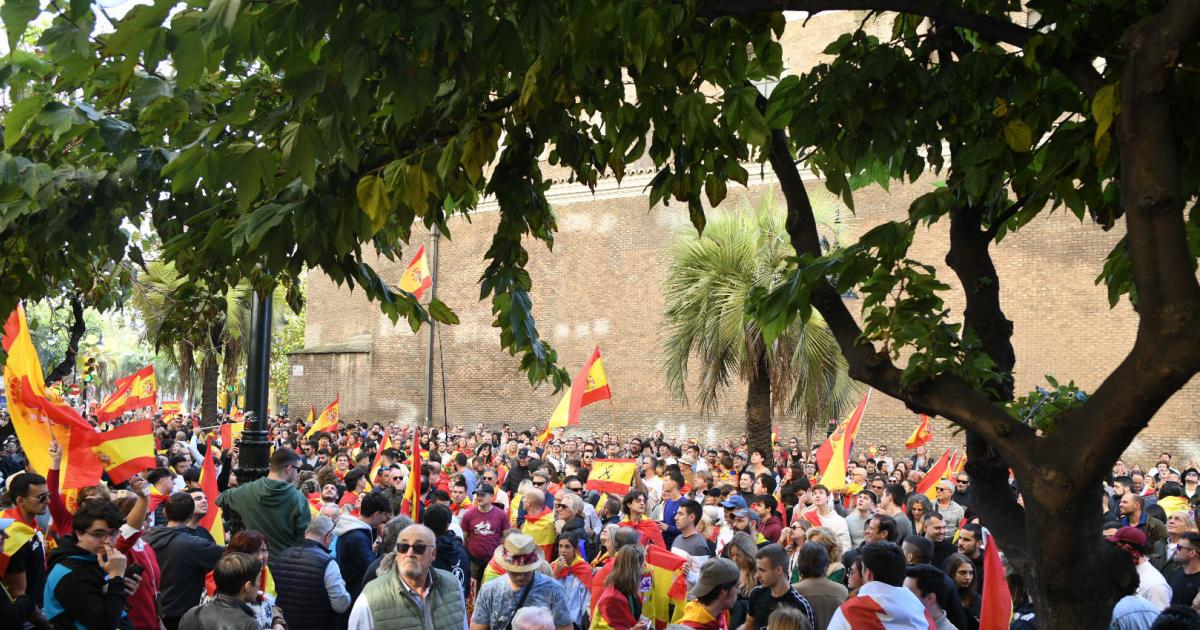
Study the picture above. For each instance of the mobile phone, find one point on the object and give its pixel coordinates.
(134, 570)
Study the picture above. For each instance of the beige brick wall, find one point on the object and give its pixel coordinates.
(602, 285)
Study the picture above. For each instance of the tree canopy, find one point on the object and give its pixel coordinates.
(254, 140)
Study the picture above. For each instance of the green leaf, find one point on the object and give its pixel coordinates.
(373, 199)
(442, 313)
(16, 15)
(1018, 136)
(18, 119)
(1105, 106)
(119, 136)
(299, 145)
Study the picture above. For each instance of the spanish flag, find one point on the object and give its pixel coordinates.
(612, 475)
(416, 276)
(668, 585)
(208, 483)
(135, 391)
(38, 417)
(18, 534)
(130, 450)
(170, 409)
(540, 527)
(328, 420)
(928, 484)
(384, 444)
(412, 494)
(230, 433)
(921, 435)
(595, 388)
(833, 456)
(996, 609)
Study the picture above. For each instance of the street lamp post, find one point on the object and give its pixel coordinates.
(436, 234)
(254, 449)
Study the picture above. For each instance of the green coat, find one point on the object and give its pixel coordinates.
(393, 609)
(275, 508)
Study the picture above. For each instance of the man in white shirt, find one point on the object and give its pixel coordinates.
(654, 483)
(1151, 584)
(830, 519)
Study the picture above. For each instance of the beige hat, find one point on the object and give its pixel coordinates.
(716, 572)
(520, 554)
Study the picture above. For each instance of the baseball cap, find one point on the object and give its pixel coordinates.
(748, 513)
(734, 502)
(1129, 535)
(523, 453)
(715, 573)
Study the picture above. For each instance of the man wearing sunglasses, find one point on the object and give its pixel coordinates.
(414, 594)
(26, 572)
(1186, 583)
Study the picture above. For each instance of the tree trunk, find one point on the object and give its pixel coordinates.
(78, 327)
(210, 375)
(758, 411)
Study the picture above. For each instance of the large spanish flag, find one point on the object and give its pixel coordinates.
(921, 435)
(384, 444)
(668, 585)
(170, 409)
(996, 609)
(416, 276)
(928, 484)
(135, 391)
(38, 417)
(412, 494)
(612, 475)
(130, 450)
(833, 456)
(328, 420)
(208, 483)
(595, 388)
(230, 433)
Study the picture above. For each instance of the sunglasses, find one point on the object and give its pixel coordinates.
(539, 483)
(41, 498)
(576, 489)
(417, 548)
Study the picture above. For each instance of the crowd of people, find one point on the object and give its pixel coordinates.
(509, 534)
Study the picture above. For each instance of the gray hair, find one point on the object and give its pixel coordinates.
(537, 495)
(623, 536)
(572, 501)
(319, 527)
(533, 618)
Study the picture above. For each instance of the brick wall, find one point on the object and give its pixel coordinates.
(602, 285)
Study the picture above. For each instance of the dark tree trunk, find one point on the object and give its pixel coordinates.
(209, 386)
(78, 327)
(758, 410)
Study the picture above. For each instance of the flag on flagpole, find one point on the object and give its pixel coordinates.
(416, 276)
(833, 456)
(996, 609)
(130, 450)
(921, 435)
(612, 475)
(38, 417)
(595, 388)
(384, 444)
(928, 484)
(328, 420)
(208, 483)
(412, 494)
(230, 433)
(135, 391)
(170, 409)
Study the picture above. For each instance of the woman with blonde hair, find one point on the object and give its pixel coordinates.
(822, 535)
(620, 603)
(788, 618)
(742, 550)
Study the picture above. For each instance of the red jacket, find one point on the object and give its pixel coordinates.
(143, 611)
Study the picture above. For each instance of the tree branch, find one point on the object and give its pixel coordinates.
(1078, 68)
(1008, 213)
(1166, 353)
(944, 395)
(78, 328)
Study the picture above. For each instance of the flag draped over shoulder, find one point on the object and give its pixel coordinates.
(412, 493)
(129, 448)
(208, 483)
(540, 527)
(416, 276)
(18, 534)
(38, 417)
(928, 484)
(668, 585)
(612, 475)
(996, 608)
(833, 456)
(135, 391)
(328, 420)
(921, 435)
(590, 386)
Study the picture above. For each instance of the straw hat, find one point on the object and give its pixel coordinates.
(520, 554)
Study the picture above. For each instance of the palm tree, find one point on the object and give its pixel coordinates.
(709, 282)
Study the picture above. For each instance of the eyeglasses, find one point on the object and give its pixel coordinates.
(103, 533)
(489, 478)
(1188, 548)
(417, 548)
(877, 487)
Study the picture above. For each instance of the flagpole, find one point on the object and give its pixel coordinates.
(436, 234)
(254, 450)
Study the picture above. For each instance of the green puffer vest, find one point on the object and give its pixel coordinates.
(393, 610)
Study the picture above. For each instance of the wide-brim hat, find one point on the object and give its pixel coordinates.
(520, 554)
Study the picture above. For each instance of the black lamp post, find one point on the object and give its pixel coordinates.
(254, 449)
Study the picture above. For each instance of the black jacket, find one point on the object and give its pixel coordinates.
(452, 557)
(78, 591)
(185, 559)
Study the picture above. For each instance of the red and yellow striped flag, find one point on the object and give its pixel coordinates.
(412, 493)
(171, 409)
(921, 435)
(928, 484)
(668, 585)
(208, 483)
(328, 420)
(130, 450)
(416, 276)
(135, 391)
(612, 475)
(833, 456)
(996, 610)
(384, 444)
(230, 433)
(595, 388)
(18, 534)
(540, 528)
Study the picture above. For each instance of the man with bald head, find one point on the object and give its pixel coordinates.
(414, 594)
(952, 513)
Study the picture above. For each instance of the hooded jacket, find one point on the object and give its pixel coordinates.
(222, 613)
(78, 592)
(184, 559)
(452, 558)
(354, 551)
(274, 507)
